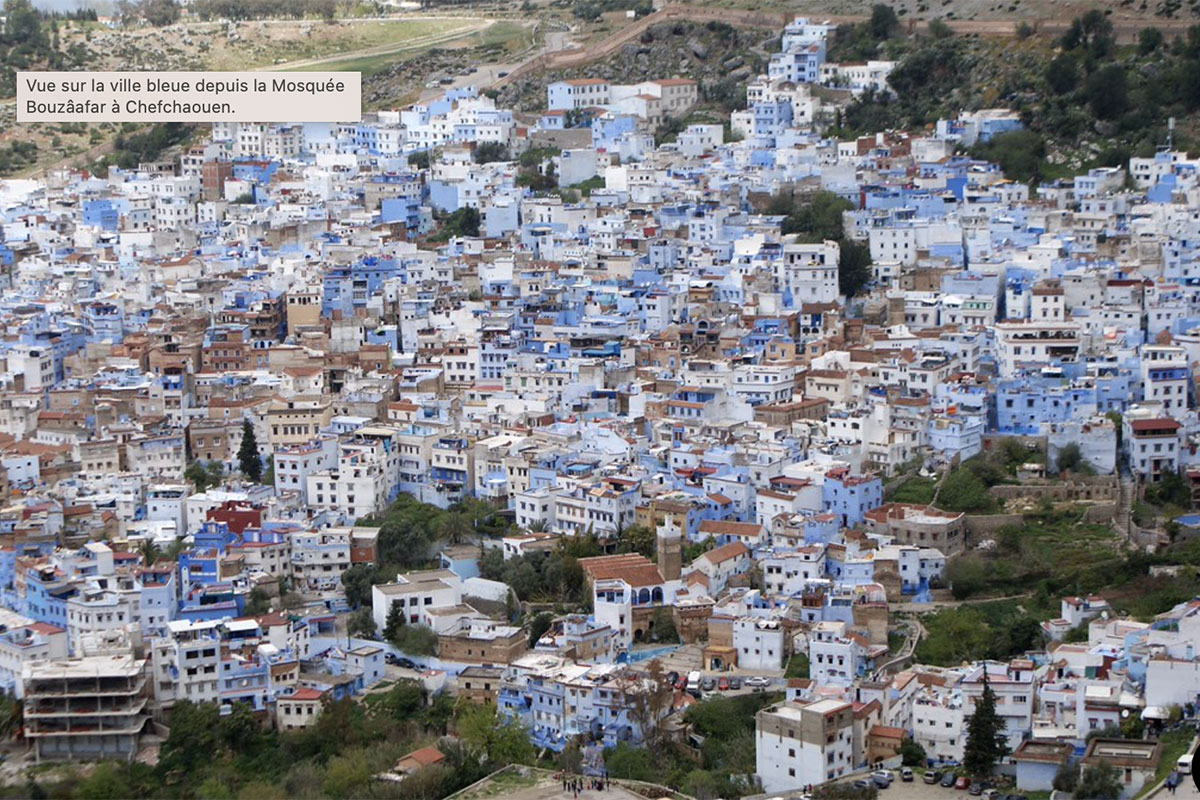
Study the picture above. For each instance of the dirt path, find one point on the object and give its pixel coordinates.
(418, 43)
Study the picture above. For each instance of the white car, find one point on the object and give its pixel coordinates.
(757, 680)
(432, 85)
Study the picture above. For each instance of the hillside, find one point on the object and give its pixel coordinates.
(1086, 100)
(720, 57)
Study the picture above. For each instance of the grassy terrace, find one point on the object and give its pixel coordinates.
(1053, 552)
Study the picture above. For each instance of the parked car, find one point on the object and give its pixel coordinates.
(962, 783)
(882, 778)
(758, 681)
(708, 684)
(949, 779)
(501, 74)
(976, 789)
(672, 677)
(407, 663)
(933, 776)
(431, 85)
(390, 658)
(863, 784)
(681, 683)
(906, 774)
(992, 794)
(723, 684)
(735, 683)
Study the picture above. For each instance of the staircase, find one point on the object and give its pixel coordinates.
(1123, 513)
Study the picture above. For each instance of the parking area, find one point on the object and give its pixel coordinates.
(917, 789)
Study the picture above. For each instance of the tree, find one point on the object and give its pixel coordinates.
(664, 625)
(357, 582)
(1067, 777)
(488, 152)
(1063, 73)
(23, 26)
(1099, 781)
(420, 159)
(1170, 489)
(404, 699)
(455, 527)
(940, 29)
(116, 781)
(1149, 40)
(402, 542)
(815, 221)
(259, 602)
(912, 754)
(362, 624)
(638, 539)
(204, 476)
(1092, 32)
(248, 457)
(500, 740)
(11, 715)
(538, 625)
(699, 783)
(631, 763)
(1069, 457)
(149, 552)
(1108, 92)
(1019, 153)
(854, 267)
(192, 741)
(884, 22)
(646, 697)
(463, 222)
(961, 490)
(986, 741)
(393, 628)
(418, 640)
(159, 12)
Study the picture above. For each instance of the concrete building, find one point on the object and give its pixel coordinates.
(85, 708)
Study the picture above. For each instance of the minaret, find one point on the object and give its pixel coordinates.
(670, 549)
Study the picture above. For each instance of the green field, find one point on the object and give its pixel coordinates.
(502, 37)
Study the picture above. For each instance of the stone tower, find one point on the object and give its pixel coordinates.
(670, 549)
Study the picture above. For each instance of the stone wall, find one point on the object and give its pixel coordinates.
(1100, 514)
(1078, 488)
(983, 525)
(1147, 538)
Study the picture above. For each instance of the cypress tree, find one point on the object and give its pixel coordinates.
(248, 457)
(986, 740)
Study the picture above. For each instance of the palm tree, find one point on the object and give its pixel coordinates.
(12, 715)
(149, 552)
(455, 527)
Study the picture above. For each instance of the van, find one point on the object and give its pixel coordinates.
(693, 684)
(1184, 765)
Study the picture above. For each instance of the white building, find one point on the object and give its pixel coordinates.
(414, 592)
(759, 643)
(799, 745)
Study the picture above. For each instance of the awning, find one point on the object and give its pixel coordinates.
(1156, 712)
